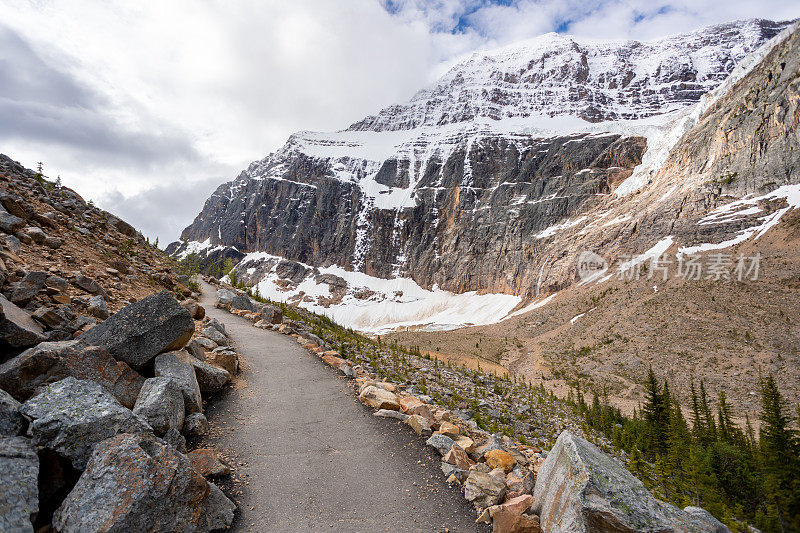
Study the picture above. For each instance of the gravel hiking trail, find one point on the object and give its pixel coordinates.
(309, 457)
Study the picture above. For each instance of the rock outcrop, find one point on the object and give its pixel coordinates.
(581, 489)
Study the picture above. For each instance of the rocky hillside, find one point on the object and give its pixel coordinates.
(101, 380)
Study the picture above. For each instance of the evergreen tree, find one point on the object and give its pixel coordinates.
(710, 428)
(656, 416)
(779, 457)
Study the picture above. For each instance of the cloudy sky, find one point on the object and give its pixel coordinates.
(145, 107)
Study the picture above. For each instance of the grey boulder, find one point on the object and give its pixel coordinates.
(196, 425)
(217, 325)
(271, 314)
(143, 329)
(160, 404)
(214, 335)
(441, 443)
(170, 365)
(19, 493)
(70, 417)
(581, 489)
(241, 301)
(225, 297)
(196, 350)
(11, 420)
(134, 483)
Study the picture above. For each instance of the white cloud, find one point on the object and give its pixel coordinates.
(128, 100)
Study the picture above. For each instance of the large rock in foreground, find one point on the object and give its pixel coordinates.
(11, 420)
(49, 362)
(144, 329)
(19, 495)
(581, 489)
(135, 483)
(70, 417)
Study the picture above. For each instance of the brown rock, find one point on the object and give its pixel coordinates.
(49, 362)
(446, 428)
(206, 462)
(379, 398)
(457, 456)
(414, 406)
(466, 443)
(419, 424)
(500, 459)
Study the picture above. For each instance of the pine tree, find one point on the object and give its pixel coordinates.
(779, 457)
(724, 419)
(656, 416)
(710, 428)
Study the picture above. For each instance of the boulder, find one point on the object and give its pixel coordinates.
(440, 443)
(195, 350)
(26, 289)
(97, 307)
(135, 483)
(457, 456)
(49, 362)
(241, 301)
(492, 444)
(207, 462)
(446, 428)
(414, 406)
(452, 470)
(143, 329)
(210, 378)
(36, 234)
(379, 398)
(271, 314)
(227, 360)
(419, 424)
(217, 325)
(55, 318)
(214, 335)
(160, 404)
(11, 421)
(17, 328)
(500, 459)
(70, 417)
(19, 494)
(206, 343)
(197, 311)
(465, 443)
(10, 223)
(581, 489)
(225, 297)
(169, 365)
(508, 518)
(196, 425)
(485, 489)
(707, 519)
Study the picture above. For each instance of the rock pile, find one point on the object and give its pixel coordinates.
(101, 382)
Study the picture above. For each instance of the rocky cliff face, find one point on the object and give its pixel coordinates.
(498, 176)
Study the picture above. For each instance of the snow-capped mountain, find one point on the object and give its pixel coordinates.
(493, 180)
(596, 80)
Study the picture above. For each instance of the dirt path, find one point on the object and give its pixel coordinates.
(311, 458)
